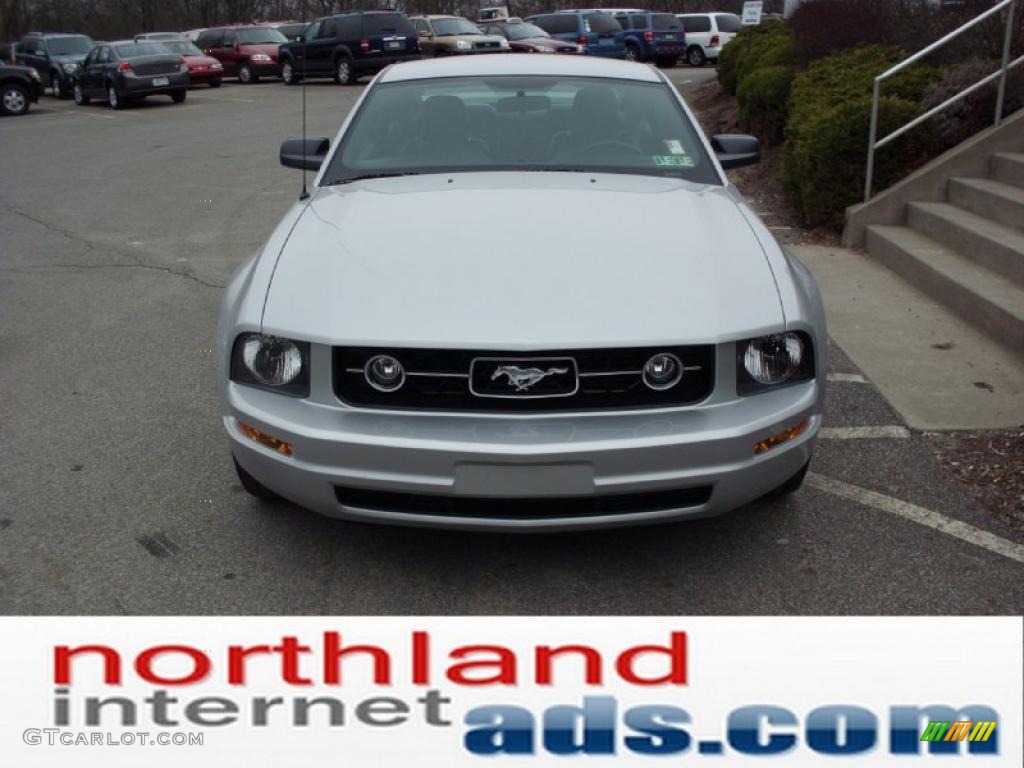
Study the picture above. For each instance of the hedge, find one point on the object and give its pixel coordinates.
(764, 102)
(765, 45)
(824, 157)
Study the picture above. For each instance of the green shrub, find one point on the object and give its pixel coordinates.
(764, 99)
(825, 155)
(765, 45)
(823, 172)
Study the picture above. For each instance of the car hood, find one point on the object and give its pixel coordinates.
(522, 261)
(195, 59)
(271, 49)
(547, 42)
(75, 58)
(469, 38)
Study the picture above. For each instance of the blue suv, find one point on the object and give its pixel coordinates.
(596, 31)
(657, 37)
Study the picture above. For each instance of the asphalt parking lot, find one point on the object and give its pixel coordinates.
(117, 493)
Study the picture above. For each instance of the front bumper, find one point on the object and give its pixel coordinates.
(572, 457)
(264, 68)
(205, 75)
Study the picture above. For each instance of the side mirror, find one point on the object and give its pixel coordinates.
(735, 150)
(309, 153)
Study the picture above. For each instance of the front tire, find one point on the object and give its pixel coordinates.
(695, 56)
(80, 98)
(114, 99)
(59, 91)
(253, 486)
(288, 74)
(344, 71)
(246, 75)
(14, 99)
(178, 96)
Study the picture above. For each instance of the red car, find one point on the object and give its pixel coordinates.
(201, 68)
(524, 37)
(247, 53)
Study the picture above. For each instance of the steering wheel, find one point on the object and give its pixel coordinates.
(612, 144)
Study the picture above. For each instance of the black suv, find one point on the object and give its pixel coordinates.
(19, 86)
(348, 46)
(55, 57)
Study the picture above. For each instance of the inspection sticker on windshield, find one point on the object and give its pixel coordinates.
(675, 147)
(679, 161)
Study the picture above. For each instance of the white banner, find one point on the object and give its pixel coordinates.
(517, 692)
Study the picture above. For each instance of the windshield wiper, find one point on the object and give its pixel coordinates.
(364, 176)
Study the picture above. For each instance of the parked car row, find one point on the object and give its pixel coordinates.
(345, 47)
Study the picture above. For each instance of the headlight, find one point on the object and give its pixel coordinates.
(262, 57)
(503, 43)
(33, 73)
(769, 361)
(271, 362)
(463, 45)
(216, 65)
(69, 66)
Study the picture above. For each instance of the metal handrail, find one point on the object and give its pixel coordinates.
(875, 143)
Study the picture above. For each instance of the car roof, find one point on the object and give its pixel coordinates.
(363, 13)
(489, 66)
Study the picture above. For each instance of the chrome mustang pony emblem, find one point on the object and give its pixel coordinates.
(524, 378)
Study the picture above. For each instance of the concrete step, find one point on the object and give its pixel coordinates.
(994, 200)
(1008, 167)
(981, 297)
(981, 240)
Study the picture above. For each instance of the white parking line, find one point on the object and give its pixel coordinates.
(220, 98)
(854, 378)
(926, 517)
(862, 433)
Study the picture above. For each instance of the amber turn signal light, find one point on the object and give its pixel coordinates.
(784, 436)
(285, 449)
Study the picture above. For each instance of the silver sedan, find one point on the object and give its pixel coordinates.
(521, 295)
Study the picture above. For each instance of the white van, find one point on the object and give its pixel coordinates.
(706, 33)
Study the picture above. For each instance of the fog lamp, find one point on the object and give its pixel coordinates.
(663, 371)
(385, 373)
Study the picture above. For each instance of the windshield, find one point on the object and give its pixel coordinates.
(292, 31)
(69, 46)
(449, 27)
(728, 22)
(521, 123)
(184, 47)
(140, 49)
(523, 31)
(258, 35)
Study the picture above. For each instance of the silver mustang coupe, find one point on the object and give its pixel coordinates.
(521, 295)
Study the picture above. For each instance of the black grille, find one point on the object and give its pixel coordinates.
(532, 508)
(487, 44)
(608, 379)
